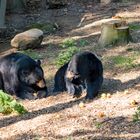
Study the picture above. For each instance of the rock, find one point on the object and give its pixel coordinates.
(29, 39)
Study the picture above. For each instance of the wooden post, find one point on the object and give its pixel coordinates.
(2, 13)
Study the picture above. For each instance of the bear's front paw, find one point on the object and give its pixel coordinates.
(29, 96)
(42, 94)
(77, 95)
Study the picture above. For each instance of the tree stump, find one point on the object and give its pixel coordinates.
(123, 35)
(115, 32)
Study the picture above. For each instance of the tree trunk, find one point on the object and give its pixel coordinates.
(2, 12)
(16, 5)
(114, 33)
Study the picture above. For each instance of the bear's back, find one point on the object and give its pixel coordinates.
(16, 60)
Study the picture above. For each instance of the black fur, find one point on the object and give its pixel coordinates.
(87, 73)
(59, 79)
(19, 75)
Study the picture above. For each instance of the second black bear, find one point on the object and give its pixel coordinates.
(22, 76)
(60, 85)
(84, 70)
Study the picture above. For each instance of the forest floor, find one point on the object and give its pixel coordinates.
(59, 116)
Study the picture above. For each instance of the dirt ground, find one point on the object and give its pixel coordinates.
(59, 116)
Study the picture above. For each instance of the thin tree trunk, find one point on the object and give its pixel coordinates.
(2, 12)
(16, 5)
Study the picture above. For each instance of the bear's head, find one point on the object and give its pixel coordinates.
(77, 82)
(31, 74)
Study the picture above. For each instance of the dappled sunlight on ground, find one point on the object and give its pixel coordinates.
(60, 116)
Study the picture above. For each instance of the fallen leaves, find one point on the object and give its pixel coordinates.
(81, 105)
(133, 102)
(126, 92)
(101, 114)
(105, 96)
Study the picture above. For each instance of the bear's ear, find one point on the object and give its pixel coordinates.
(38, 62)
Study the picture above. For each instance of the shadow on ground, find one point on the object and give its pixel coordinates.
(112, 128)
(48, 110)
(113, 85)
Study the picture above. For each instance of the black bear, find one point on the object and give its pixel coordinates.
(22, 76)
(84, 70)
(60, 85)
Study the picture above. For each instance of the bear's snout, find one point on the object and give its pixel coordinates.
(69, 75)
(41, 83)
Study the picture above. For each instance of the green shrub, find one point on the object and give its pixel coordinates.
(9, 105)
(134, 26)
(66, 55)
(46, 27)
(98, 125)
(136, 116)
(68, 43)
(33, 54)
(83, 43)
(129, 49)
(123, 60)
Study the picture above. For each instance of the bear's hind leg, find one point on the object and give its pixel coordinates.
(93, 88)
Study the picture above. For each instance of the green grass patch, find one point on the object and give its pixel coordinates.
(83, 43)
(123, 61)
(72, 42)
(125, 1)
(68, 138)
(129, 49)
(136, 116)
(46, 27)
(98, 125)
(65, 56)
(33, 54)
(134, 26)
(67, 43)
(9, 105)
